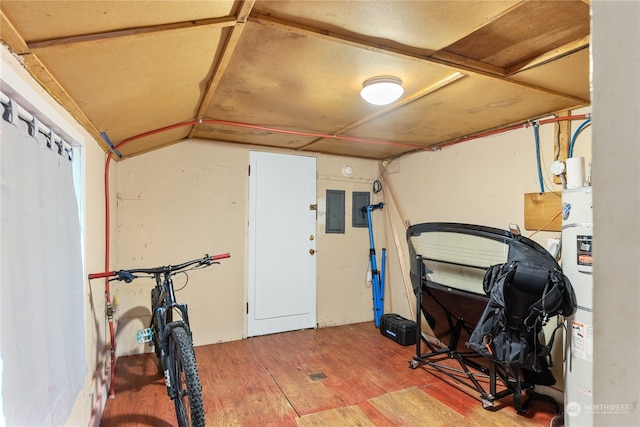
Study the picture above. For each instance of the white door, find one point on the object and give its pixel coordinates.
(282, 243)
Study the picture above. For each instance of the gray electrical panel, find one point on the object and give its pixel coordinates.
(359, 199)
(335, 212)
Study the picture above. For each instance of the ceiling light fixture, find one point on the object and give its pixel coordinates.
(382, 90)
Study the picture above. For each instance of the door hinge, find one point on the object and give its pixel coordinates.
(247, 308)
(249, 170)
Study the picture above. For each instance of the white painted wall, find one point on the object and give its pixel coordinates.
(616, 210)
(180, 202)
(480, 181)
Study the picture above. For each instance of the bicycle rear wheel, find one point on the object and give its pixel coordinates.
(185, 379)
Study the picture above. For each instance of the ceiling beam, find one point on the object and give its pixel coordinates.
(424, 92)
(305, 30)
(11, 36)
(552, 55)
(227, 53)
(97, 37)
(42, 75)
(458, 61)
(56, 90)
(468, 69)
(466, 66)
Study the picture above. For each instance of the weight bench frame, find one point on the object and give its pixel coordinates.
(485, 380)
(469, 373)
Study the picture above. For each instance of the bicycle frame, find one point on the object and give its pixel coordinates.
(163, 312)
(162, 323)
(171, 337)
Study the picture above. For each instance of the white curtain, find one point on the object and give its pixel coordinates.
(42, 332)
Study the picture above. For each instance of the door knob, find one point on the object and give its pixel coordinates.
(312, 251)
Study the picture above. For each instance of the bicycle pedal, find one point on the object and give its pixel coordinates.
(144, 335)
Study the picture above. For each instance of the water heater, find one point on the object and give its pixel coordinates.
(577, 265)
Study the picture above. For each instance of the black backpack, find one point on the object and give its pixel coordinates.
(523, 296)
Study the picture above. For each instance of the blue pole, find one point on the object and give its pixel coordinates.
(382, 268)
(375, 274)
(374, 269)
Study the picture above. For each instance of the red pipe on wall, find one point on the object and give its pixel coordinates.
(107, 289)
(508, 128)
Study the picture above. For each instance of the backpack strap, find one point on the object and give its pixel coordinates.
(492, 275)
(546, 349)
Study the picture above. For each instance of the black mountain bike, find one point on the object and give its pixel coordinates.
(170, 334)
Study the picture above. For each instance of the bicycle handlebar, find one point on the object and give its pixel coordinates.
(128, 275)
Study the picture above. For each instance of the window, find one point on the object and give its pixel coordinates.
(42, 305)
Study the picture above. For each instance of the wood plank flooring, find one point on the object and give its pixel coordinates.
(339, 376)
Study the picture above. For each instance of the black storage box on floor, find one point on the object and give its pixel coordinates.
(399, 329)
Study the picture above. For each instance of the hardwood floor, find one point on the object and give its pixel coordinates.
(340, 376)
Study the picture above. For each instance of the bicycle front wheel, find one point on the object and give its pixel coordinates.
(185, 379)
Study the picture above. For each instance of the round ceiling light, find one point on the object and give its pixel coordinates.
(382, 90)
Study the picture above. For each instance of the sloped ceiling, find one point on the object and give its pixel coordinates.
(288, 74)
